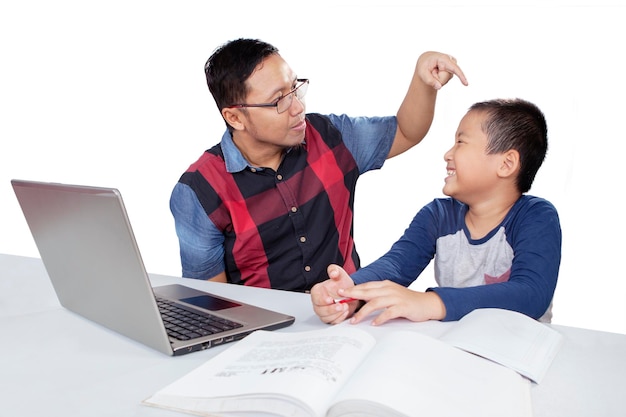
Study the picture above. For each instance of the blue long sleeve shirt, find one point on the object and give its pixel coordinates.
(514, 267)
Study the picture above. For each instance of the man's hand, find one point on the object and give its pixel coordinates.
(325, 294)
(436, 69)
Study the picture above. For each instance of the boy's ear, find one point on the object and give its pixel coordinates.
(233, 118)
(510, 163)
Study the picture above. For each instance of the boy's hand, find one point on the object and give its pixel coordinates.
(394, 300)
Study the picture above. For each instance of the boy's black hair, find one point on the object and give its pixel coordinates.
(520, 125)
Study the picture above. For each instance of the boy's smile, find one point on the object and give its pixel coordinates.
(469, 172)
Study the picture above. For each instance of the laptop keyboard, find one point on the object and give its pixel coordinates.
(184, 323)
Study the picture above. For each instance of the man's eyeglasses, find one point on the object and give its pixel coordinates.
(283, 103)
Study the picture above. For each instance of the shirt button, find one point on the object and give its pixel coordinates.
(279, 177)
(294, 209)
(307, 268)
(253, 169)
(302, 239)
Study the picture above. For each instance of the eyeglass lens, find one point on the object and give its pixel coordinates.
(284, 103)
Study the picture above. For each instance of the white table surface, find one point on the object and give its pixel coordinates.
(55, 363)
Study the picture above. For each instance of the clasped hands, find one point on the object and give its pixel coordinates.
(391, 299)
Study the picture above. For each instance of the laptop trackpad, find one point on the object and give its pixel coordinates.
(209, 302)
(194, 297)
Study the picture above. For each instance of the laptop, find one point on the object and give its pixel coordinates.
(88, 248)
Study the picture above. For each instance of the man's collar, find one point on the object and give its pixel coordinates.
(233, 158)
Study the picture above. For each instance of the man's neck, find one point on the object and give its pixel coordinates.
(259, 154)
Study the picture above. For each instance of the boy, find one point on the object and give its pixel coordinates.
(493, 245)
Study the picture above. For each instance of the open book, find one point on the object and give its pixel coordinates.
(508, 338)
(345, 371)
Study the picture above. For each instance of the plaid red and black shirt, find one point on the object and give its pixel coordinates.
(283, 228)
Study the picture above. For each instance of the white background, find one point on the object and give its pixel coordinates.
(113, 94)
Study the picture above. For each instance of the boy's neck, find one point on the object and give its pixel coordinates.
(482, 218)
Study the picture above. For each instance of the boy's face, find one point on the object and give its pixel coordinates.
(472, 173)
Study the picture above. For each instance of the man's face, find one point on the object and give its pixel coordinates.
(271, 80)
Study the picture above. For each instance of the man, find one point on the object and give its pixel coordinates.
(272, 204)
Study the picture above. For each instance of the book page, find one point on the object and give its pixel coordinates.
(509, 338)
(294, 374)
(417, 375)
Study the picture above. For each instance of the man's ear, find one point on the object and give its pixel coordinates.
(233, 118)
(509, 164)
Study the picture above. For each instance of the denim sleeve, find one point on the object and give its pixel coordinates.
(368, 139)
(201, 242)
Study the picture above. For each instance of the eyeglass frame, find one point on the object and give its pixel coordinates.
(292, 93)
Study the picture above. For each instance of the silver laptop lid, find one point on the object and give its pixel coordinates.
(91, 257)
(86, 243)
